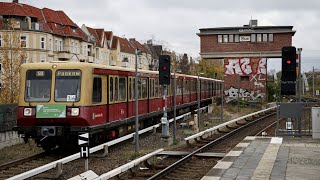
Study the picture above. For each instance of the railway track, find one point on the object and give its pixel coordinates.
(19, 166)
(204, 154)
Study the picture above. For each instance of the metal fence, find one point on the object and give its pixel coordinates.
(8, 116)
(289, 126)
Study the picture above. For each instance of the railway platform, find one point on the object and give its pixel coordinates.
(270, 158)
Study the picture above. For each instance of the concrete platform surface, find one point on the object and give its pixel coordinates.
(270, 158)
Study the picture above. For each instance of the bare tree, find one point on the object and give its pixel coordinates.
(11, 57)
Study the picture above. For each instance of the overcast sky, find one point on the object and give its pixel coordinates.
(176, 22)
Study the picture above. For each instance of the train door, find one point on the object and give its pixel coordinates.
(118, 109)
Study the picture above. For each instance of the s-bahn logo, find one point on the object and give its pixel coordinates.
(96, 115)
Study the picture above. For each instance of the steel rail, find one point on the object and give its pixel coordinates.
(179, 163)
(73, 157)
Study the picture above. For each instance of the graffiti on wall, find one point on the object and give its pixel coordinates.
(255, 69)
(232, 94)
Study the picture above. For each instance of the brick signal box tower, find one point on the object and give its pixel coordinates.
(244, 52)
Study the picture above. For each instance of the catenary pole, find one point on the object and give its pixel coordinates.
(137, 104)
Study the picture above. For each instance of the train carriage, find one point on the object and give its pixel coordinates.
(60, 99)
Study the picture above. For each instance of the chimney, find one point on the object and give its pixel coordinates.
(15, 1)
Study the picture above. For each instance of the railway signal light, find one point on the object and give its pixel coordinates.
(164, 69)
(289, 76)
(288, 64)
(288, 88)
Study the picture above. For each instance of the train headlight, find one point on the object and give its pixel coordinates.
(27, 111)
(75, 111)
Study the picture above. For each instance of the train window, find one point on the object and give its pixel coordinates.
(97, 90)
(38, 85)
(67, 87)
(122, 89)
(179, 86)
(156, 87)
(133, 88)
(186, 89)
(139, 88)
(111, 89)
(129, 88)
(116, 89)
(144, 88)
(151, 86)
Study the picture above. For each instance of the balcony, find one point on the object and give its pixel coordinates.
(90, 59)
(112, 62)
(22, 25)
(125, 64)
(64, 55)
(81, 57)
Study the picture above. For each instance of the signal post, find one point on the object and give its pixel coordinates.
(164, 80)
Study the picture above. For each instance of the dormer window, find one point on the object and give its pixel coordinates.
(74, 30)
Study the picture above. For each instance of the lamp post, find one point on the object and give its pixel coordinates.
(137, 52)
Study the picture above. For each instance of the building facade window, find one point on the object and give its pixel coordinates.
(61, 45)
(236, 38)
(50, 44)
(253, 37)
(43, 43)
(219, 38)
(265, 37)
(225, 38)
(230, 37)
(23, 41)
(0, 40)
(270, 37)
(56, 45)
(72, 47)
(258, 37)
(76, 48)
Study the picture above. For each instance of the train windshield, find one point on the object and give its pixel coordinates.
(38, 85)
(67, 86)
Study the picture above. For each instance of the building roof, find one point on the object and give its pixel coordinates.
(15, 9)
(108, 35)
(152, 51)
(97, 34)
(246, 29)
(55, 22)
(137, 45)
(115, 41)
(126, 46)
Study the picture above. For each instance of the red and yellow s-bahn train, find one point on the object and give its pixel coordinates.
(60, 99)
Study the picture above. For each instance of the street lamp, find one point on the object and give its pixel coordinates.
(199, 92)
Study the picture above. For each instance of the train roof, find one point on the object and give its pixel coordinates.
(99, 66)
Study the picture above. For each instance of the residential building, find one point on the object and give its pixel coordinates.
(102, 48)
(145, 55)
(154, 63)
(126, 54)
(46, 34)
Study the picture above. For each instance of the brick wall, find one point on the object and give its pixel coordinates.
(253, 84)
(209, 43)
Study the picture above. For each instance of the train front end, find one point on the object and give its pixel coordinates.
(50, 103)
